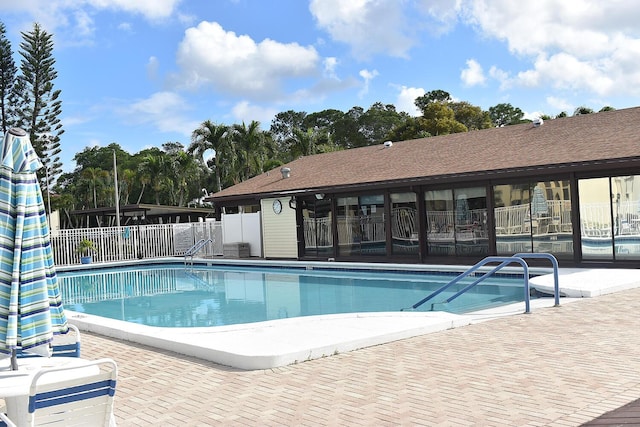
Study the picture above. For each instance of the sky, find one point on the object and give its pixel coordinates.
(141, 73)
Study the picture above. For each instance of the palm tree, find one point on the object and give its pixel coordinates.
(304, 143)
(185, 173)
(97, 180)
(128, 178)
(153, 166)
(253, 147)
(143, 176)
(210, 136)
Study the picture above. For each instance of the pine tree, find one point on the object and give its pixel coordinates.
(8, 72)
(38, 105)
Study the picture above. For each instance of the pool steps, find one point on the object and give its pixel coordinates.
(504, 261)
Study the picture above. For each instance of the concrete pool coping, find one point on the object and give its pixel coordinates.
(282, 342)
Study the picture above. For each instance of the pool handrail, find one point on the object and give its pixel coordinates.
(197, 247)
(554, 263)
(523, 255)
(504, 261)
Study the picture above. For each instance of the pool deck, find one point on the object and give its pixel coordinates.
(283, 342)
(559, 366)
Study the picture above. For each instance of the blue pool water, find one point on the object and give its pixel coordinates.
(179, 296)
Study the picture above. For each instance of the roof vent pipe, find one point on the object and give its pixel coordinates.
(286, 172)
(537, 122)
(388, 144)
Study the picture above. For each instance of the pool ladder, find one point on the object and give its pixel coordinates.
(193, 250)
(504, 261)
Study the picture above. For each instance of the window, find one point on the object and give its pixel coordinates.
(317, 227)
(404, 224)
(457, 221)
(610, 218)
(361, 225)
(440, 223)
(533, 217)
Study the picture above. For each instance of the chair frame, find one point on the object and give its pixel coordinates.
(61, 345)
(80, 399)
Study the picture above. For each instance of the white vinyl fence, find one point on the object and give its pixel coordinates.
(138, 241)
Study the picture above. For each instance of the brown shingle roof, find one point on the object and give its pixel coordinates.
(572, 140)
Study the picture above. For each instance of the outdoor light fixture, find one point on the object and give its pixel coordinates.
(319, 196)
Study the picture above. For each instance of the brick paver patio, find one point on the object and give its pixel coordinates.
(559, 366)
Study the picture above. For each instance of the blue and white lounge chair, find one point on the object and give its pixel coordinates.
(67, 345)
(78, 395)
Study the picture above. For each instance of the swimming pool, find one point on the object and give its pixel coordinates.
(175, 295)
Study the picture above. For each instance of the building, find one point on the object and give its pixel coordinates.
(568, 186)
(140, 214)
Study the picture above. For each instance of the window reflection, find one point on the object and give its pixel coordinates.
(361, 228)
(595, 218)
(533, 217)
(440, 223)
(512, 218)
(404, 224)
(551, 218)
(626, 210)
(610, 217)
(471, 221)
(316, 223)
(457, 221)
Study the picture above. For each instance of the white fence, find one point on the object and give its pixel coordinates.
(243, 227)
(365, 228)
(137, 242)
(317, 232)
(596, 218)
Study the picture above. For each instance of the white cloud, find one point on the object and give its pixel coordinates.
(367, 26)
(246, 112)
(563, 71)
(126, 27)
(330, 65)
(367, 76)
(532, 115)
(77, 16)
(560, 104)
(150, 9)
(473, 74)
(500, 75)
(406, 100)
(152, 67)
(573, 46)
(209, 55)
(84, 23)
(165, 110)
(444, 13)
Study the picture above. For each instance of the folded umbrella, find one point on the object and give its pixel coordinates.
(31, 308)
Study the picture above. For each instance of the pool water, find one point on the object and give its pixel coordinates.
(179, 296)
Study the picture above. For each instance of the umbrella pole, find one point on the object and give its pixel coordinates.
(14, 360)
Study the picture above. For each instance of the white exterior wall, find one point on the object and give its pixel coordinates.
(279, 230)
(243, 227)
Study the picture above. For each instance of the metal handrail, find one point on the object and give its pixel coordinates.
(193, 250)
(504, 261)
(554, 263)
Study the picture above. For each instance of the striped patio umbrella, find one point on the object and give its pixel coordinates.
(30, 303)
(539, 205)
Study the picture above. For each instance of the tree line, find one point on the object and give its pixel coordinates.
(218, 155)
(28, 98)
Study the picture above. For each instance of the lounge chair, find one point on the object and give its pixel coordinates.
(79, 395)
(67, 345)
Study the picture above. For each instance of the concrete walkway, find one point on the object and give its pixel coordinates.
(559, 366)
